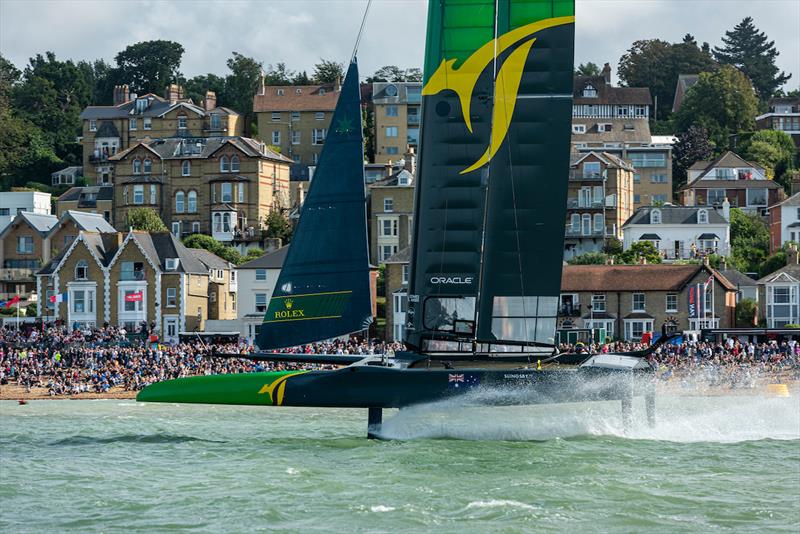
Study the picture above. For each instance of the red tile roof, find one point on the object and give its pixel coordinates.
(654, 277)
(287, 98)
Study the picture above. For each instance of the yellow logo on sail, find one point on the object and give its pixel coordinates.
(276, 388)
(462, 80)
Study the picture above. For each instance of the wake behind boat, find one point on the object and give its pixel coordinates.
(488, 237)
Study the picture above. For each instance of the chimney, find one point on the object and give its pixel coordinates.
(410, 159)
(338, 84)
(173, 93)
(607, 73)
(643, 261)
(262, 88)
(211, 100)
(795, 182)
(791, 255)
(726, 209)
(121, 94)
(388, 169)
(112, 241)
(723, 263)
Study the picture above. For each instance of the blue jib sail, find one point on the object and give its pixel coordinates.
(323, 290)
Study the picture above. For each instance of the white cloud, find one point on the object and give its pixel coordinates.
(300, 32)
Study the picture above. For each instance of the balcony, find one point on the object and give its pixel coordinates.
(16, 275)
(569, 232)
(413, 119)
(569, 310)
(136, 276)
(577, 175)
(98, 158)
(574, 203)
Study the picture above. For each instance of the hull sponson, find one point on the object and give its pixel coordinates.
(381, 387)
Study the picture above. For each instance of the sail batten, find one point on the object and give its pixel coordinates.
(492, 178)
(323, 288)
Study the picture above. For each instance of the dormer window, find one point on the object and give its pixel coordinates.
(82, 270)
(171, 264)
(137, 166)
(186, 168)
(148, 166)
(223, 164)
(234, 163)
(655, 217)
(181, 122)
(589, 91)
(141, 105)
(215, 121)
(702, 217)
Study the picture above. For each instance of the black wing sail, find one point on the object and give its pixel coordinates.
(493, 169)
(323, 290)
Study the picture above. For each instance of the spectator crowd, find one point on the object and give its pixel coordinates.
(67, 362)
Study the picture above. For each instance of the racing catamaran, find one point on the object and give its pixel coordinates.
(488, 238)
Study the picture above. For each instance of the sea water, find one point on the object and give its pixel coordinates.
(710, 464)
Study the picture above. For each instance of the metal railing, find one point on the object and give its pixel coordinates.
(132, 275)
(581, 176)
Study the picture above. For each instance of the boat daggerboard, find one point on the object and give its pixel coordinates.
(323, 290)
(493, 170)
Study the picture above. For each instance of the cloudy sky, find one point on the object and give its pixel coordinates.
(299, 32)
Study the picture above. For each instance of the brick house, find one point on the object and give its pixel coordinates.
(784, 222)
(391, 216)
(395, 279)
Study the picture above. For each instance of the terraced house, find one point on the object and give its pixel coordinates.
(222, 186)
(107, 130)
(132, 280)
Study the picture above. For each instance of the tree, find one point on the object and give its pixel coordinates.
(638, 251)
(145, 219)
(393, 73)
(328, 71)
(749, 241)
(278, 226)
(241, 84)
(773, 263)
(587, 69)
(775, 151)
(253, 253)
(9, 75)
(613, 246)
(722, 101)
(210, 244)
(25, 154)
(692, 146)
(150, 66)
(590, 258)
(746, 313)
(195, 88)
(656, 64)
(278, 75)
(751, 51)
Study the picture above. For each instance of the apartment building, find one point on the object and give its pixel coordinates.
(131, 280)
(259, 276)
(222, 186)
(97, 199)
(744, 184)
(295, 120)
(783, 115)
(784, 222)
(223, 285)
(599, 201)
(391, 202)
(396, 275)
(630, 300)
(613, 119)
(779, 294)
(107, 130)
(14, 202)
(397, 107)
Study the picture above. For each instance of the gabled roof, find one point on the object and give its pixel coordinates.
(209, 259)
(202, 148)
(103, 192)
(654, 277)
(270, 260)
(103, 247)
(160, 246)
(674, 215)
(287, 98)
(610, 160)
(738, 278)
(394, 180)
(727, 160)
(89, 222)
(122, 154)
(107, 129)
(39, 222)
(403, 256)
(793, 200)
(608, 94)
(792, 270)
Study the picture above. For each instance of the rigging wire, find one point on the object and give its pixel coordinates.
(360, 31)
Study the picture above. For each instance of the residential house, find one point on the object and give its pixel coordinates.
(24, 247)
(784, 222)
(66, 176)
(391, 215)
(395, 278)
(14, 202)
(131, 280)
(89, 199)
(397, 107)
(107, 130)
(679, 232)
(223, 285)
(599, 201)
(629, 300)
(743, 183)
(259, 276)
(685, 82)
(779, 294)
(746, 287)
(295, 119)
(784, 116)
(222, 186)
(613, 119)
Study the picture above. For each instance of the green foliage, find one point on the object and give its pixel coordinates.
(145, 219)
(640, 250)
(773, 263)
(749, 241)
(253, 253)
(9, 75)
(723, 102)
(278, 226)
(392, 73)
(613, 246)
(242, 83)
(751, 51)
(215, 247)
(656, 64)
(775, 151)
(25, 154)
(746, 313)
(149, 66)
(328, 71)
(588, 69)
(195, 88)
(590, 258)
(692, 146)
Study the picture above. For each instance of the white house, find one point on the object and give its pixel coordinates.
(680, 232)
(780, 294)
(15, 202)
(784, 222)
(257, 280)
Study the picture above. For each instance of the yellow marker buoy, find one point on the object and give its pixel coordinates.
(778, 390)
(538, 365)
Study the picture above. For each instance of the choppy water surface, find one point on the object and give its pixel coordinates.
(728, 463)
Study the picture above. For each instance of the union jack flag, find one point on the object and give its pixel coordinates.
(455, 378)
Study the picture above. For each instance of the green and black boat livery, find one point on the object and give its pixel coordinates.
(488, 238)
